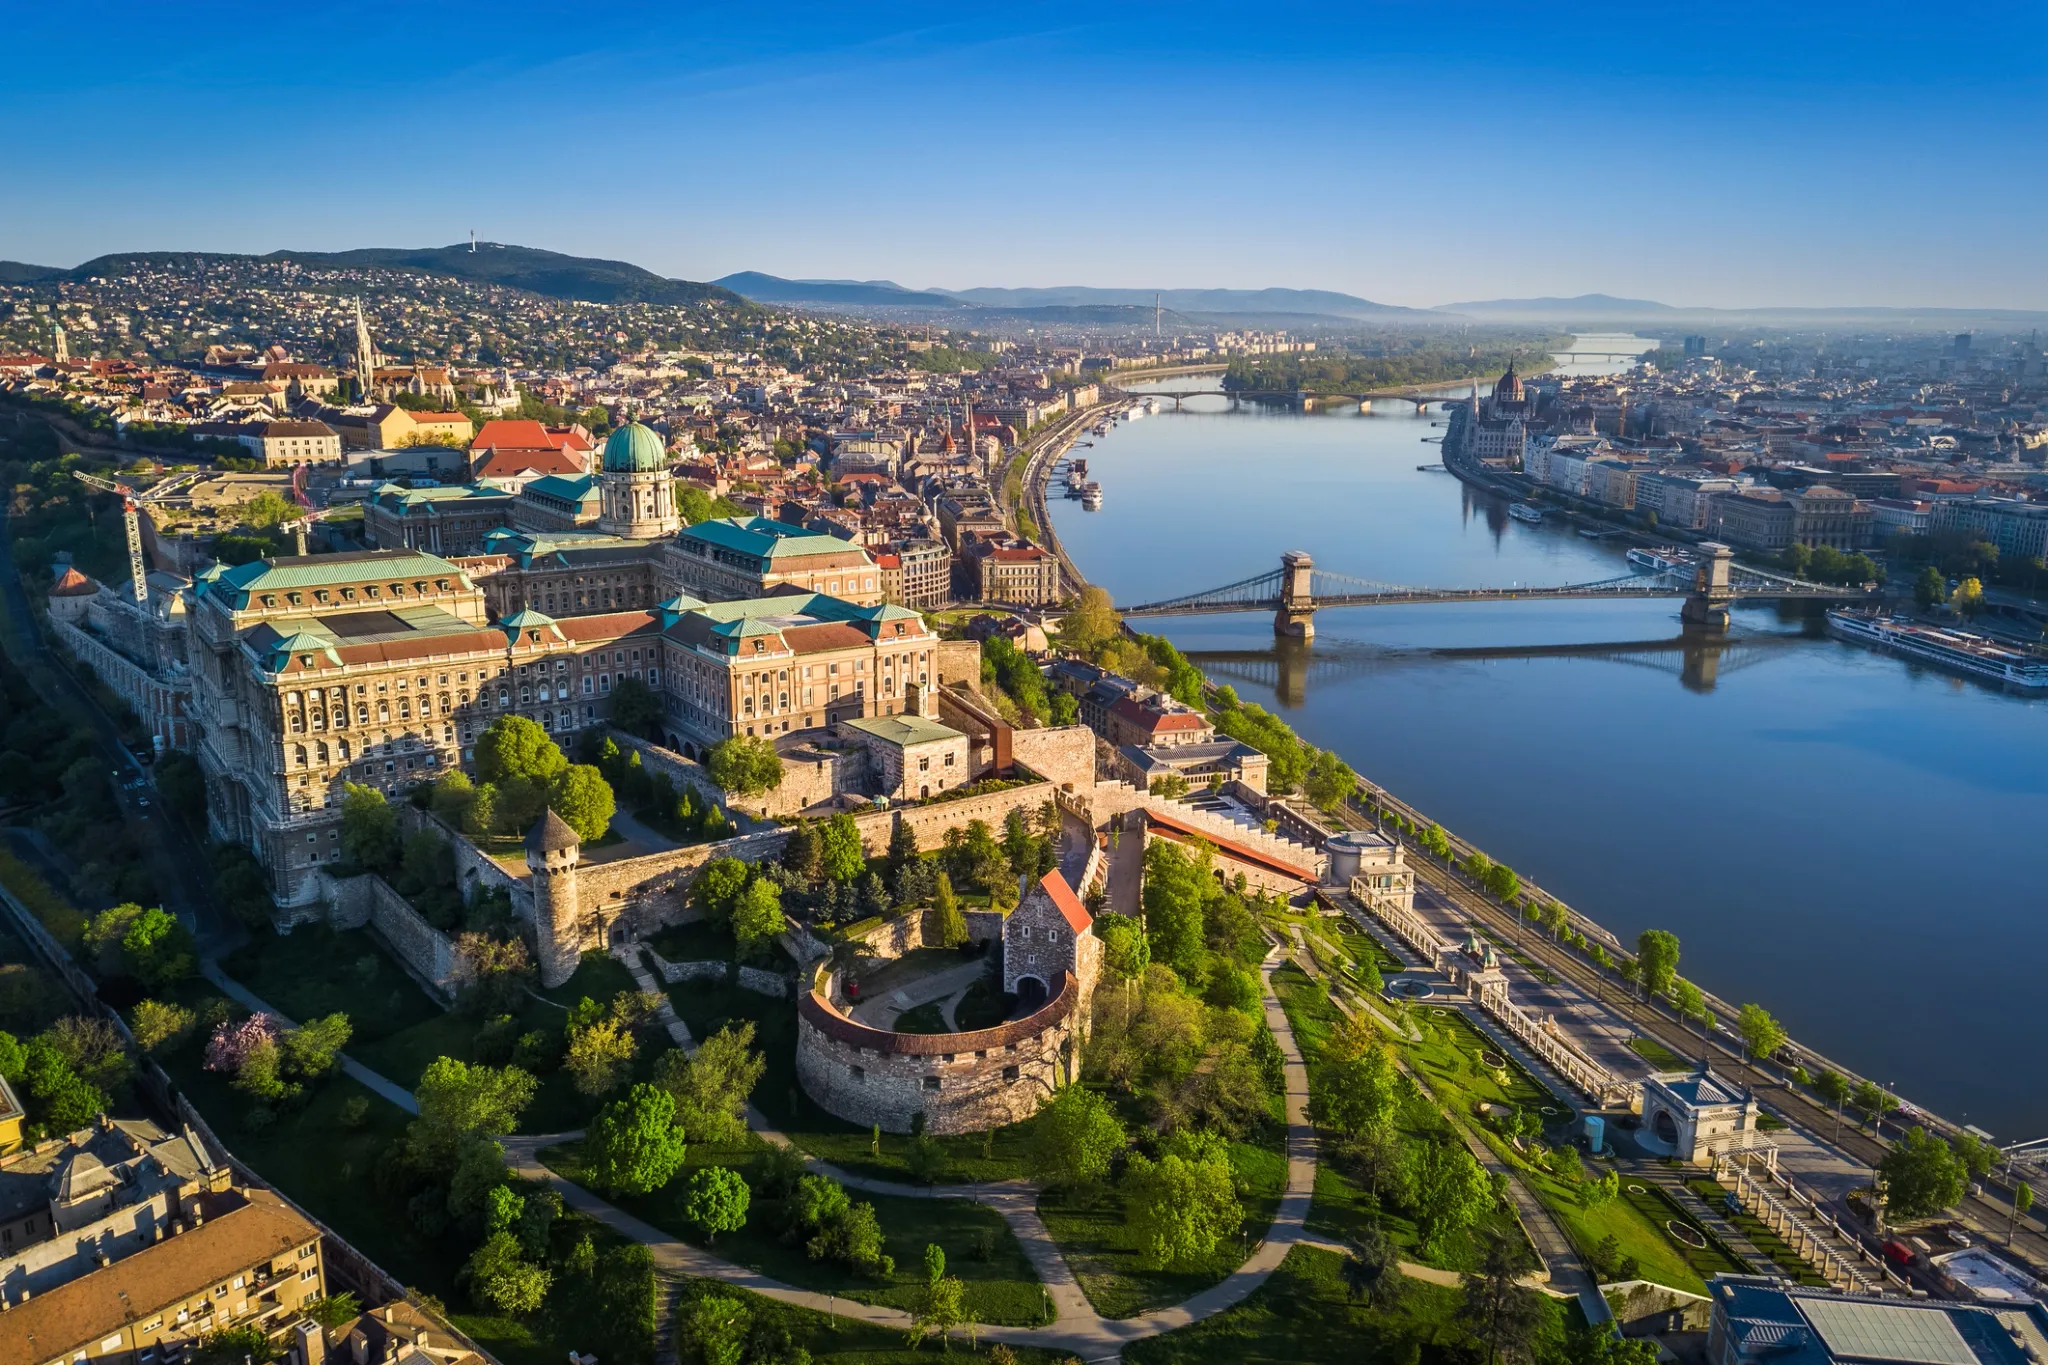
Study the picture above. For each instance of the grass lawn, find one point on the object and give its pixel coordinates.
(1788, 1261)
(707, 1007)
(983, 1005)
(703, 941)
(1094, 1236)
(1661, 1211)
(1658, 1055)
(1303, 1315)
(316, 970)
(979, 1246)
(834, 1340)
(926, 1018)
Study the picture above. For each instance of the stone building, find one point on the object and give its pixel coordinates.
(1688, 1114)
(441, 521)
(1006, 568)
(137, 648)
(552, 851)
(736, 558)
(910, 758)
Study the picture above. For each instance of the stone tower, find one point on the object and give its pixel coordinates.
(636, 492)
(552, 849)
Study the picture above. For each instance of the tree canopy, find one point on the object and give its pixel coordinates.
(635, 1144)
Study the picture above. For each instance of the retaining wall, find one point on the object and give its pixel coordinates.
(756, 979)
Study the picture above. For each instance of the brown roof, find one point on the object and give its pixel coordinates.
(1076, 914)
(826, 635)
(515, 432)
(495, 462)
(610, 625)
(818, 1012)
(73, 584)
(100, 1303)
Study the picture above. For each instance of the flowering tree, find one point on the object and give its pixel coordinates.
(232, 1042)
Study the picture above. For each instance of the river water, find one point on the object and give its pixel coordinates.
(1852, 841)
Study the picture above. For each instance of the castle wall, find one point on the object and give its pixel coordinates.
(1063, 755)
(368, 902)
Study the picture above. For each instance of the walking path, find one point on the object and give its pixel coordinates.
(1076, 1326)
(354, 1069)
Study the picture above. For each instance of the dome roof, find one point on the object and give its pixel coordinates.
(1508, 389)
(634, 449)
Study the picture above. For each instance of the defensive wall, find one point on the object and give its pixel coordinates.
(960, 1082)
(368, 902)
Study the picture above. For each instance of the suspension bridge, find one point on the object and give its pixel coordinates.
(1296, 590)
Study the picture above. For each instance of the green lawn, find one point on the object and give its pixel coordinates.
(1658, 1055)
(1094, 1236)
(1788, 1261)
(835, 1340)
(980, 1249)
(703, 941)
(315, 970)
(926, 1018)
(982, 1005)
(1303, 1315)
(706, 1007)
(1661, 1211)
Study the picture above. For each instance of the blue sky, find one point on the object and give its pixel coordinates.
(1711, 154)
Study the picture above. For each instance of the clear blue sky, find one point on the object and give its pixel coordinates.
(1718, 154)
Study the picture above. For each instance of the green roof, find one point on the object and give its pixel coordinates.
(408, 496)
(903, 730)
(764, 537)
(634, 449)
(327, 571)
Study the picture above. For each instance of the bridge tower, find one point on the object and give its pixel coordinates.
(1296, 617)
(1711, 593)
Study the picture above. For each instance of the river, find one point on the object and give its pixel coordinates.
(1850, 840)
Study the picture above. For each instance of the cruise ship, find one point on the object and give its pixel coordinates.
(1663, 559)
(1959, 650)
(1091, 497)
(1521, 511)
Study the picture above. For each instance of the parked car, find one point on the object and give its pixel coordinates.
(1899, 1254)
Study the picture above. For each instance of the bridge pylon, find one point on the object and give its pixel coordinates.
(1296, 618)
(1711, 594)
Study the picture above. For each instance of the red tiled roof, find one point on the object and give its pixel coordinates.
(514, 433)
(1071, 910)
(611, 625)
(73, 584)
(498, 462)
(826, 635)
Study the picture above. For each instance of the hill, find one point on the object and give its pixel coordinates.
(550, 273)
(1582, 305)
(1325, 302)
(762, 288)
(21, 272)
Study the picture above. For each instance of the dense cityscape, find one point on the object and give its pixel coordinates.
(625, 807)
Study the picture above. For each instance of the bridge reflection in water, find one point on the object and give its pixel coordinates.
(1697, 658)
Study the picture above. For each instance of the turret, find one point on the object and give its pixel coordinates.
(552, 850)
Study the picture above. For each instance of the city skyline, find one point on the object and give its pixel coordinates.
(1752, 159)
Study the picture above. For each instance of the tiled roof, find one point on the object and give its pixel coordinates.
(764, 538)
(499, 462)
(1063, 898)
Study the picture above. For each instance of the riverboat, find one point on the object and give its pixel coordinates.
(1961, 651)
(1663, 559)
(1091, 497)
(1521, 511)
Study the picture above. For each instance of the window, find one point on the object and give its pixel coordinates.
(931, 1083)
(860, 1074)
(310, 1273)
(1010, 1073)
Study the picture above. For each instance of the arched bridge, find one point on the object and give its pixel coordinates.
(1295, 591)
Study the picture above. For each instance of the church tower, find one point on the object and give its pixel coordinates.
(552, 850)
(366, 357)
(637, 494)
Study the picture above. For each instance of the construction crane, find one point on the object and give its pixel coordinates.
(131, 508)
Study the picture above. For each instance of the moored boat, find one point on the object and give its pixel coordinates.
(1521, 511)
(1960, 651)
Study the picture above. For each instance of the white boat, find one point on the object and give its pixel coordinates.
(1135, 411)
(1151, 405)
(1663, 559)
(1961, 651)
(1523, 512)
(1091, 497)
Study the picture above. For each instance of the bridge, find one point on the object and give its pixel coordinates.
(1303, 398)
(1297, 589)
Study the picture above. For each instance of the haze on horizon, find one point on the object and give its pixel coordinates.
(1741, 155)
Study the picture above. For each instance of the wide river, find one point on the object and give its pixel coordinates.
(1856, 843)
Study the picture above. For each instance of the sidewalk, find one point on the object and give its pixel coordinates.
(354, 1069)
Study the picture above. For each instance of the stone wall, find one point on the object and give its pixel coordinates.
(930, 822)
(755, 979)
(811, 775)
(368, 902)
(1063, 755)
(994, 1077)
(959, 661)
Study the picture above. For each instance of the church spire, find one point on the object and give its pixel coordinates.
(366, 356)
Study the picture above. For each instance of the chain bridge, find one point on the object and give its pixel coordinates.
(1296, 590)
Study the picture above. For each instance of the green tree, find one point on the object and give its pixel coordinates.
(236, 1345)
(1503, 1316)
(158, 951)
(717, 888)
(1075, 1139)
(1690, 1004)
(949, 924)
(1830, 1086)
(1657, 954)
(1357, 1088)
(1872, 1100)
(513, 746)
(635, 1145)
(1930, 589)
(600, 1054)
(313, 1049)
(717, 1201)
(454, 796)
(1329, 780)
(941, 1306)
(1977, 1155)
(158, 1025)
(902, 846)
(1179, 1207)
(745, 765)
(757, 918)
(458, 1100)
(1175, 886)
(635, 709)
(581, 796)
(839, 853)
(1451, 1190)
(369, 827)
(2022, 1200)
(1761, 1034)
(1502, 884)
(334, 1311)
(712, 1084)
(1923, 1175)
(717, 1323)
(1125, 951)
(499, 1277)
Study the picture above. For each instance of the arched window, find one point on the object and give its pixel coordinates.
(298, 755)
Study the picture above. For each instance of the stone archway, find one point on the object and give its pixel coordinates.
(1031, 995)
(1664, 1128)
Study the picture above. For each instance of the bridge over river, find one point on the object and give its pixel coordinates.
(1296, 590)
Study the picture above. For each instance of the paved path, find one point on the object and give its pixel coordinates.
(883, 1010)
(1126, 873)
(1076, 1327)
(235, 990)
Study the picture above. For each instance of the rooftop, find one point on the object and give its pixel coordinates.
(904, 730)
(1794, 1326)
(762, 537)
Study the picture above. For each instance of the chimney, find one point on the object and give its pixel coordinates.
(310, 1345)
(390, 1313)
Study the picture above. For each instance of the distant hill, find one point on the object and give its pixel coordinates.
(1582, 305)
(762, 288)
(518, 267)
(21, 272)
(1213, 301)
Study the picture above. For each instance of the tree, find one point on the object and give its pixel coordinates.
(1091, 623)
(717, 1325)
(1434, 840)
(636, 1146)
(369, 827)
(1452, 1191)
(457, 1100)
(1690, 1004)
(2022, 1200)
(717, 888)
(1502, 884)
(513, 746)
(1657, 955)
(157, 1025)
(1357, 1088)
(941, 1306)
(1930, 589)
(500, 1277)
(1977, 1155)
(1176, 884)
(902, 846)
(314, 1048)
(1503, 1316)
(1076, 1138)
(1329, 780)
(1874, 1103)
(333, 1311)
(1761, 1035)
(236, 1345)
(1922, 1175)
(1181, 1206)
(454, 797)
(1969, 597)
(717, 1201)
(839, 849)
(757, 918)
(1125, 951)
(949, 924)
(1371, 1269)
(1830, 1086)
(803, 850)
(157, 950)
(600, 1054)
(745, 765)
(581, 796)
(635, 709)
(712, 1084)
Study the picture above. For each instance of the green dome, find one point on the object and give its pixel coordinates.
(634, 449)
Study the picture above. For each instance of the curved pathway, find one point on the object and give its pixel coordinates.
(1076, 1327)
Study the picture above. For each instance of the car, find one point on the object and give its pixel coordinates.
(1956, 1236)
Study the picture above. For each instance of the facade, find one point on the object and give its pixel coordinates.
(1766, 1318)
(1828, 516)
(1690, 1114)
(558, 502)
(138, 649)
(1679, 500)
(636, 491)
(1222, 760)
(733, 559)
(1007, 569)
(251, 1260)
(1374, 868)
(789, 663)
(563, 573)
(2018, 529)
(926, 569)
(1752, 518)
(1151, 719)
(1913, 516)
(293, 443)
(439, 521)
(912, 758)
(968, 513)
